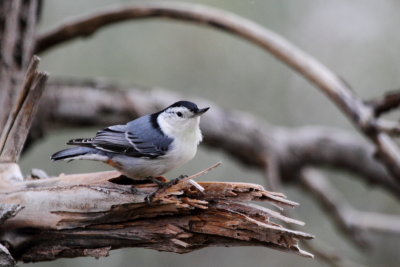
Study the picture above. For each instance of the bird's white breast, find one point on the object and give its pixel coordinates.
(181, 150)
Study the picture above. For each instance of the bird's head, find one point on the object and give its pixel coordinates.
(180, 118)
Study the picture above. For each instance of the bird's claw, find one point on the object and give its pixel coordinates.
(134, 190)
(158, 180)
(149, 198)
(162, 185)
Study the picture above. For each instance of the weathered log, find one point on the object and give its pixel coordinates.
(89, 214)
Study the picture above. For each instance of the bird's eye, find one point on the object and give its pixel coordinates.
(179, 114)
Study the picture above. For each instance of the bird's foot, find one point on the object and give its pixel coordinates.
(159, 180)
(163, 184)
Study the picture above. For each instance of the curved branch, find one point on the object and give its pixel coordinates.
(306, 65)
(359, 113)
(352, 222)
(250, 140)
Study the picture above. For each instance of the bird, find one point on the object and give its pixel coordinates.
(146, 147)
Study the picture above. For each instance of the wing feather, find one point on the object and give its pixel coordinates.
(137, 138)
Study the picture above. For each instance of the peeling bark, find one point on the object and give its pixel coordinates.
(87, 215)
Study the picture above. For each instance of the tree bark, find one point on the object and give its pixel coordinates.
(90, 214)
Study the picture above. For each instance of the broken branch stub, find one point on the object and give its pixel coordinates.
(89, 214)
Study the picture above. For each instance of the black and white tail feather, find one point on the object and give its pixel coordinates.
(74, 153)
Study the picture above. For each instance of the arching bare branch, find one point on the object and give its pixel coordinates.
(250, 141)
(359, 113)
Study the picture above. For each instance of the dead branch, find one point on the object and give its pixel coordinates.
(90, 214)
(352, 222)
(252, 141)
(16, 129)
(333, 204)
(17, 32)
(388, 102)
(359, 113)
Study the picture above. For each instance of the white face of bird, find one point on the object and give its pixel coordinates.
(180, 120)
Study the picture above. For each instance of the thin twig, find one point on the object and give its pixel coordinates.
(204, 172)
(201, 173)
(390, 101)
(329, 256)
(180, 182)
(354, 223)
(334, 205)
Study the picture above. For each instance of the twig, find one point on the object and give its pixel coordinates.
(353, 223)
(194, 183)
(203, 172)
(272, 171)
(390, 101)
(330, 257)
(359, 113)
(372, 221)
(333, 204)
(180, 182)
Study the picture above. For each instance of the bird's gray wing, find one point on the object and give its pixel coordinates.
(138, 138)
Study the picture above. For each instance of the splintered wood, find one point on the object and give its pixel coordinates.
(90, 214)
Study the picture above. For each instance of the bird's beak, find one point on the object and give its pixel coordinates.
(200, 111)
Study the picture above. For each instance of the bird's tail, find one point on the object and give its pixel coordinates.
(79, 153)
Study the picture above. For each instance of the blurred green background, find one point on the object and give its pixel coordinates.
(357, 39)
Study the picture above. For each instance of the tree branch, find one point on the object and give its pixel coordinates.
(334, 205)
(359, 113)
(251, 140)
(352, 222)
(89, 214)
(388, 102)
(17, 30)
(16, 129)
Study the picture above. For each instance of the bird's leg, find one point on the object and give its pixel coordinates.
(159, 180)
(134, 190)
(174, 181)
(162, 184)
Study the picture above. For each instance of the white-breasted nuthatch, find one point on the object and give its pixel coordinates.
(146, 147)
